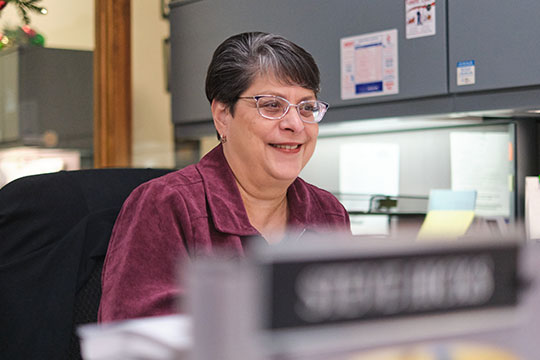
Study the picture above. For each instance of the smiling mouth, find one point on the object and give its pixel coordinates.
(286, 147)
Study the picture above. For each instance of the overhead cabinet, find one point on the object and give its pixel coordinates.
(500, 41)
(473, 46)
(197, 28)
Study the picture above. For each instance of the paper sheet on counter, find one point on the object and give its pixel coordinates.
(156, 338)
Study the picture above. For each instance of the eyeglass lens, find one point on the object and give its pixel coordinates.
(274, 108)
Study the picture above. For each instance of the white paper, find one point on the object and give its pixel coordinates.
(370, 224)
(419, 18)
(480, 161)
(368, 168)
(157, 338)
(369, 65)
(466, 73)
(532, 207)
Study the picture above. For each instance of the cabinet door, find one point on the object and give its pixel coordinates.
(501, 37)
(198, 27)
(9, 96)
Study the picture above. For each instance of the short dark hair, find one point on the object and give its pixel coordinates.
(241, 58)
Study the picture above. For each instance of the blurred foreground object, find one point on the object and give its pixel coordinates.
(327, 295)
(446, 351)
(156, 338)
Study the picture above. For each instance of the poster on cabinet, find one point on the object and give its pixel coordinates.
(419, 18)
(369, 65)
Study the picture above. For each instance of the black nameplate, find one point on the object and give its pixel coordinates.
(351, 289)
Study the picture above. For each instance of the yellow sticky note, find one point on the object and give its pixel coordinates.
(445, 224)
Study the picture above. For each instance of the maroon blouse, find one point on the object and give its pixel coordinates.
(182, 215)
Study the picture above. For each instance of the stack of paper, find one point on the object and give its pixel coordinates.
(156, 338)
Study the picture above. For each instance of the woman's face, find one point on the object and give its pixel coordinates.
(262, 149)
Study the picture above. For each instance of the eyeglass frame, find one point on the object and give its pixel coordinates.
(257, 97)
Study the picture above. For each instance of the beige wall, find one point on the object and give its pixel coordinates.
(70, 24)
(153, 144)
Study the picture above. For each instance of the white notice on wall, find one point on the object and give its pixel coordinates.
(368, 168)
(480, 161)
(369, 65)
(466, 73)
(419, 18)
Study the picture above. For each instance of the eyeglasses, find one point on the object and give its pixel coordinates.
(275, 107)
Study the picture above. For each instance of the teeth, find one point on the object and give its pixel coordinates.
(288, 147)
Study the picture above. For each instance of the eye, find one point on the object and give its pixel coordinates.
(271, 105)
(309, 106)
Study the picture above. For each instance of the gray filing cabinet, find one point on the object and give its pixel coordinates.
(501, 37)
(45, 90)
(197, 27)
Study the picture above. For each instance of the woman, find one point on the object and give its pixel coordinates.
(263, 94)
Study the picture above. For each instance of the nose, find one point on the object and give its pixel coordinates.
(292, 121)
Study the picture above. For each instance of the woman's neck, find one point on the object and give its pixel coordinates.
(267, 210)
(264, 198)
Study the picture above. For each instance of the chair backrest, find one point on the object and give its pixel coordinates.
(54, 233)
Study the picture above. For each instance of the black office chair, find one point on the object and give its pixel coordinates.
(54, 233)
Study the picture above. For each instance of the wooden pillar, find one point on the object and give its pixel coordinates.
(112, 83)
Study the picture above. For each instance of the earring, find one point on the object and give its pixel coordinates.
(223, 139)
